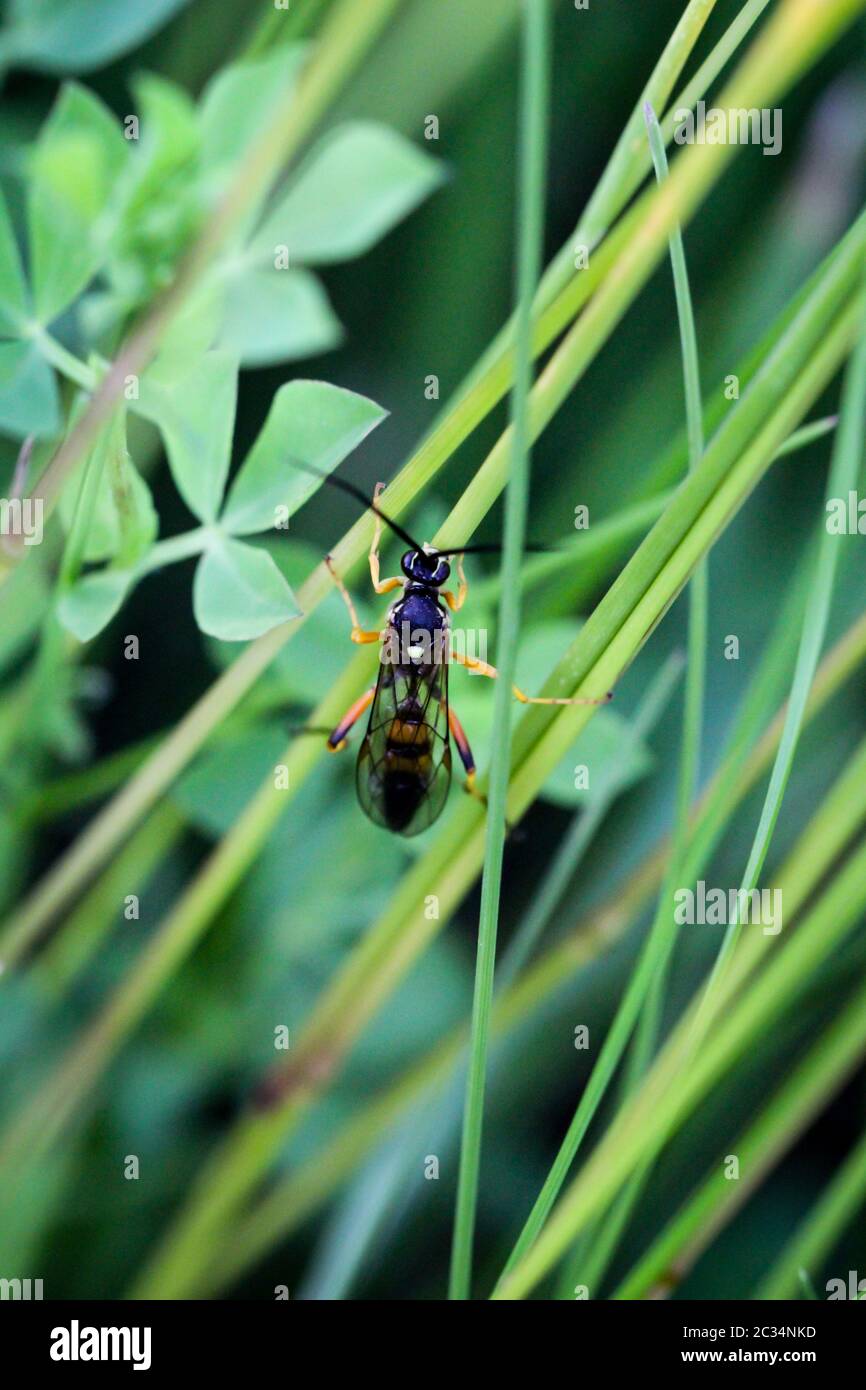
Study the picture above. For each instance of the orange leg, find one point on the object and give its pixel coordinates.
(358, 633)
(466, 757)
(481, 668)
(456, 601)
(382, 586)
(337, 739)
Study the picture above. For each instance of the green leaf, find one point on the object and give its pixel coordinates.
(195, 412)
(28, 392)
(24, 607)
(75, 35)
(354, 186)
(168, 123)
(123, 522)
(192, 331)
(309, 422)
(241, 100)
(76, 163)
(92, 602)
(159, 201)
(313, 661)
(277, 316)
(239, 593)
(14, 306)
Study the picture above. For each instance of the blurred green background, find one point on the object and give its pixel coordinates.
(427, 300)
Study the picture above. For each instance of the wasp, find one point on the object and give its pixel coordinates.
(403, 771)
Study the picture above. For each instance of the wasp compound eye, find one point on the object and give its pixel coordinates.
(425, 568)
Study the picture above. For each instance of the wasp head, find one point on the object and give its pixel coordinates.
(424, 567)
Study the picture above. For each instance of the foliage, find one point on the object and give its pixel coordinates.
(187, 882)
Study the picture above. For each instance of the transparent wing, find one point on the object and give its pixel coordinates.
(404, 764)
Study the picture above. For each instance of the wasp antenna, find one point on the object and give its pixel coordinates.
(532, 547)
(360, 496)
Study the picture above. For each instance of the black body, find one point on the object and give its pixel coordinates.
(404, 764)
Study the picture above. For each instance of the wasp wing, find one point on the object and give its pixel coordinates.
(404, 764)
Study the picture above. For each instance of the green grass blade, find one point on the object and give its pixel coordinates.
(535, 62)
(639, 1132)
(794, 1106)
(644, 994)
(820, 1231)
(844, 471)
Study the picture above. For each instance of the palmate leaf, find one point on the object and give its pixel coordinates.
(28, 392)
(239, 593)
(77, 159)
(14, 306)
(309, 422)
(272, 316)
(240, 101)
(355, 185)
(195, 412)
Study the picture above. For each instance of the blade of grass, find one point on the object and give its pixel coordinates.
(602, 1243)
(816, 1236)
(844, 471)
(643, 1126)
(70, 950)
(803, 1096)
(839, 817)
(644, 993)
(532, 158)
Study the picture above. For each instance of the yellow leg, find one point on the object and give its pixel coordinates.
(456, 601)
(359, 634)
(382, 586)
(481, 668)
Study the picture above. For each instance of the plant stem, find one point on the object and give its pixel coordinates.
(535, 62)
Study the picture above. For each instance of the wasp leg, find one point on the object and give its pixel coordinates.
(337, 739)
(358, 633)
(456, 601)
(481, 668)
(382, 586)
(468, 762)
(466, 758)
